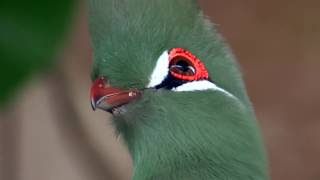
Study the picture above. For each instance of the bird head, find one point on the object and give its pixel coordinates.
(173, 88)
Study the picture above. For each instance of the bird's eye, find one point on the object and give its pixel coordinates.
(185, 66)
(182, 66)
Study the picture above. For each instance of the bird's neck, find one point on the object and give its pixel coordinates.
(160, 158)
(172, 165)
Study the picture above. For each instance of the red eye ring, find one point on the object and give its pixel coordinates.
(200, 70)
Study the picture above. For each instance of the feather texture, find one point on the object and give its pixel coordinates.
(176, 135)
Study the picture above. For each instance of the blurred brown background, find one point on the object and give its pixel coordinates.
(50, 132)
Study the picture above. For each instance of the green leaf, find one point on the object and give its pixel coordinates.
(30, 35)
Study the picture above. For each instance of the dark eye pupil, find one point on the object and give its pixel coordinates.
(184, 66)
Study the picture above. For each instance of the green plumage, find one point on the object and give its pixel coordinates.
(176, 135)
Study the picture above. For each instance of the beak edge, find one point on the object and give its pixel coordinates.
(93, 104)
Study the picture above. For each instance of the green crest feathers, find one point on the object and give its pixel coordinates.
(111, 16)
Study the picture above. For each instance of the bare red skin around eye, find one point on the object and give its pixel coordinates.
(200, 70)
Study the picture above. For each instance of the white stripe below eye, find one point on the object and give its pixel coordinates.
(201, 86)
(161, 70)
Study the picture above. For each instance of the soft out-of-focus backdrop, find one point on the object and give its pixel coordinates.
(50, 132)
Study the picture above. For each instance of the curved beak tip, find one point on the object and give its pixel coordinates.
(93, 105)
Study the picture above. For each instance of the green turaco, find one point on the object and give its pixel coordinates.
(174, 90)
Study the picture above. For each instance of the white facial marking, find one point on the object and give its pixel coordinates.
(201, 86)
(160, 71)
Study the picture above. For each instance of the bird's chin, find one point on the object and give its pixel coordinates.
(117, 111)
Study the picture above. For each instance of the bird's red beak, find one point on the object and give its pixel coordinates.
(107, 98)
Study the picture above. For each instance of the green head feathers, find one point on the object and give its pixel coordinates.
(176, 133)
